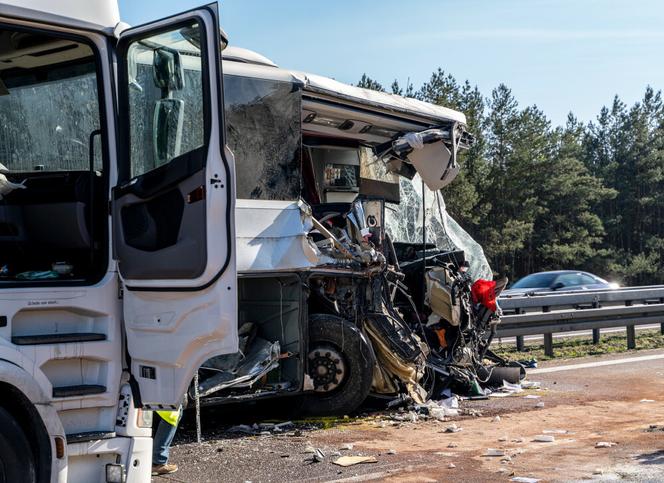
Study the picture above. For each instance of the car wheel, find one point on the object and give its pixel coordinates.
(340, 363)
(17, 464)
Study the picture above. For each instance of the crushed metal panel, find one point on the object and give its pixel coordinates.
(272, 235)
(382, 100)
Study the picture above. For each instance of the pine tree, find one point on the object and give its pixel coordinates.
(367, 82)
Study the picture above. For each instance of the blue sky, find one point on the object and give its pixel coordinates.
(559, 54)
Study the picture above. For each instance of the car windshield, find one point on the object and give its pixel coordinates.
(536, 280)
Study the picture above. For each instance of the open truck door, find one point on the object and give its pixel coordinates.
(173, 207)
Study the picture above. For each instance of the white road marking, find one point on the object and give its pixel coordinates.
(586, 365)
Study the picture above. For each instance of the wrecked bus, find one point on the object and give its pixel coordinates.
(352, 277)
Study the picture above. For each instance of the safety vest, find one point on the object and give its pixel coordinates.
(171, 417)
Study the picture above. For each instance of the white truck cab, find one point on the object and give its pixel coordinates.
(117, 258)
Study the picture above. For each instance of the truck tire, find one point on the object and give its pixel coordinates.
(340, 362)
(17, 464)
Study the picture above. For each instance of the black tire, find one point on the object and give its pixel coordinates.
(332, 331)
(17, 464)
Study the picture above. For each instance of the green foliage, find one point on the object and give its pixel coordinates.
(368, 83)
(539, 197)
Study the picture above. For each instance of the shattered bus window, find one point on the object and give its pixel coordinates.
(263, 131)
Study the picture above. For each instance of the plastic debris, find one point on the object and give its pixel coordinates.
(241, 428)
(451, 465)
(285, 426)
(493, 452)
(354, 460)
(604, 444)
(531, 384)
(544, 438)
(647, 400)
(318, 456)
(512, 387)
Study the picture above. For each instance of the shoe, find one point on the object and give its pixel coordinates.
(164, 469)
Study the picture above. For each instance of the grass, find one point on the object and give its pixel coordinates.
(569, 348)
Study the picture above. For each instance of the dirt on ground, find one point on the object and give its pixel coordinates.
(606, 422)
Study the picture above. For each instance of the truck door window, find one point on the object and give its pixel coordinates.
(53, 210)
(48, 103)
(166, 105)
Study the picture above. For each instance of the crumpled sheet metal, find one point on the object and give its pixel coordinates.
(439, 296)
(388, 364)
(272, 236)
(262, 358)
(403, 223)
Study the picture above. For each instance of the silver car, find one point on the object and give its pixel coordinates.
(560, 280)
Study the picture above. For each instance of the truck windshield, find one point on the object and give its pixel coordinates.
(48, 103)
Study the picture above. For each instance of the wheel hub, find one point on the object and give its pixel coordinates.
(327, 368)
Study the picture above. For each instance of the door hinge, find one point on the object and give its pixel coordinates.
(120, 290)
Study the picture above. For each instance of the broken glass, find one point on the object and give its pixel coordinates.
(403, 222)
(263, 131)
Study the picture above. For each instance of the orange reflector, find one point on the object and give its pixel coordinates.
(59, 447)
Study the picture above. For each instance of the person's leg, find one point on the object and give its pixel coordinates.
(161, 442)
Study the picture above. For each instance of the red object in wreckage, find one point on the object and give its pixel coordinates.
(484, 292)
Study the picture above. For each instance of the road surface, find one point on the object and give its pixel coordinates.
(615, 399)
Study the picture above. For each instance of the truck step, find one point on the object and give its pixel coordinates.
(57, 338)
(89, 436)
(78, 390)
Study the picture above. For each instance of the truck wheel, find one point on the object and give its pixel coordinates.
(16, 461)
(341, 363)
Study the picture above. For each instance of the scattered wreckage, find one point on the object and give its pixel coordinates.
(353, 280)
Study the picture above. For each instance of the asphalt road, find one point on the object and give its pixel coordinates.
(615, 400)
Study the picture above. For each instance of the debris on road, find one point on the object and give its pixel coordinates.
(544, 438)
(604, 444)
(354, 460)
(451, 465)
(525, 479)
(491, 452)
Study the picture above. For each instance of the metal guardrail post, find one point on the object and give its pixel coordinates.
(631, 337)
(595, 336)
(520, 345)
(548, 344)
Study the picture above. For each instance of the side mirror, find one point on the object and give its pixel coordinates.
(557, 286)
(167, 129)
(168, 70)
